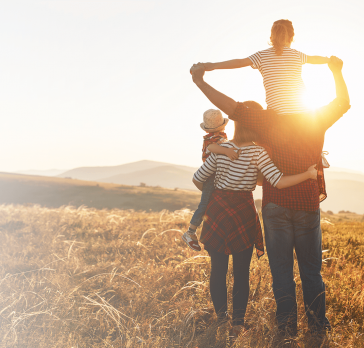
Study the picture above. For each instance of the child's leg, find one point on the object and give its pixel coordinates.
(208, 188)
(190, 237)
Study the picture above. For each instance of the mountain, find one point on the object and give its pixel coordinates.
(169, 176)
(344, 187)
(331, 174)
(103, 173)
(49, 172)
(344, 195)
(56, 192)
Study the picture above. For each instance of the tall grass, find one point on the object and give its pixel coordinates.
(117, 278)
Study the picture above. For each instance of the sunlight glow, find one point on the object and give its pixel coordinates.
(320, 88)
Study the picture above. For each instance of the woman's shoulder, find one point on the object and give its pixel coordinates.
(259, 149)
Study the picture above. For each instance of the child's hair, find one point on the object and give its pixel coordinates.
(282, 33)
(243, 134)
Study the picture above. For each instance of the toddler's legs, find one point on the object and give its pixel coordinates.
(208, 188)
(190, 236)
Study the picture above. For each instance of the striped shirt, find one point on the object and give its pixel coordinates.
(282, 79)
(241, 174)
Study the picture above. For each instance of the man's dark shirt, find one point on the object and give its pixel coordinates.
(294, 143)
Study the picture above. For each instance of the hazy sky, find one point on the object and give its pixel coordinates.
(106, 82)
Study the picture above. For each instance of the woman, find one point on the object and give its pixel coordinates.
(231, 224)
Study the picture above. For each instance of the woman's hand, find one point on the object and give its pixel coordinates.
(312, 171)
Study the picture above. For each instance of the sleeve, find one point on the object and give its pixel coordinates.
(303, 57)
(255, 58)
(268, 168)
(207, 169)
(327, 115)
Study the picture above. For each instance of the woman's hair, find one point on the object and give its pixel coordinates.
(243, 134)
(282, 33)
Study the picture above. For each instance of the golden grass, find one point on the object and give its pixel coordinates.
(116, 278)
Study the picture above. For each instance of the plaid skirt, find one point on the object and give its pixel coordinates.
(231, 223)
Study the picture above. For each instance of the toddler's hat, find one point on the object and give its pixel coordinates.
(213, 121)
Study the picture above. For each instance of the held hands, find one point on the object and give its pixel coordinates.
(197, 71)
(335, 64)
(312, 172)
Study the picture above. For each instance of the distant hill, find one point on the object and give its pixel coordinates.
(330, 174)
(168, 176)
(344, 195)
(48, 172)
(104, 173)
(56, 192)
(345, 189)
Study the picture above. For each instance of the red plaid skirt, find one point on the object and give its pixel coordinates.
(231, 223)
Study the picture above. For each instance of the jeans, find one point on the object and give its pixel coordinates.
(285, 230)
(207, 189)
(218, 290)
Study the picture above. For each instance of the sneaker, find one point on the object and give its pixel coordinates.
(192, 243)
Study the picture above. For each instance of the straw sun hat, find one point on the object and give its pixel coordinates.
(213, 121)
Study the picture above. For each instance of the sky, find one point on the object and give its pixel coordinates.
(106, 82)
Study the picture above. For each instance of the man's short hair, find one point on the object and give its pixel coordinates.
(253, 105)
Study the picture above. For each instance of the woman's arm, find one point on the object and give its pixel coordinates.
(291, 180)
(205, 171)
(275, 177)
(229, 64)
(221, 150)
(317, 60)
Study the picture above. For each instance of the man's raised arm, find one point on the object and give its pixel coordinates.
(329, 114)
(335, 66)
(221, 101)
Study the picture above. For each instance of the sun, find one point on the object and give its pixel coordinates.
(320, 87)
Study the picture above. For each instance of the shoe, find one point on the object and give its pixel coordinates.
(192, 243)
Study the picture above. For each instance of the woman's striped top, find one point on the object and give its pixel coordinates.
(242, 173)
(282, 79)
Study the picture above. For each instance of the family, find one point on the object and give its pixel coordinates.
(279, 148)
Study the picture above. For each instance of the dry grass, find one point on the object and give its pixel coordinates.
(116, 278)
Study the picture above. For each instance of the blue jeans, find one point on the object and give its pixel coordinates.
(207, 189)
(285, 230)
(218, 289)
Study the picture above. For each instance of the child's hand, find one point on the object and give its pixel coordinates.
(230, 152)
(335, 64)
(312, 171)
(208, 66)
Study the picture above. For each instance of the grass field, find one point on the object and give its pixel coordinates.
(115, 278)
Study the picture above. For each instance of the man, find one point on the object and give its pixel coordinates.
(291, 216)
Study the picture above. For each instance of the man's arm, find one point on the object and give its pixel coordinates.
(229, 64)
(255, 119)
(220, 100)
(336, 66)
(329, 114)
(317, 60)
